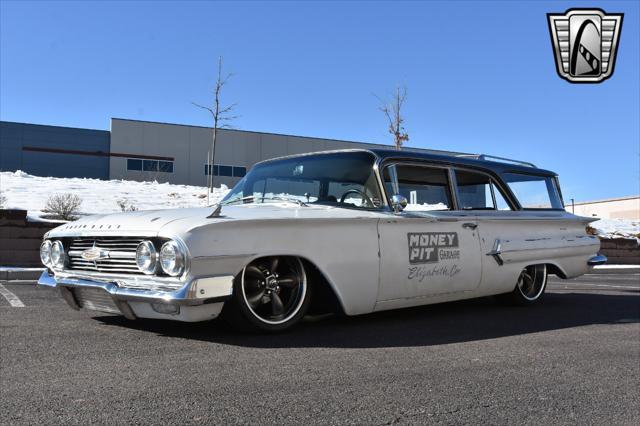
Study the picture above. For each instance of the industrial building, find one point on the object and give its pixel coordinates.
(612, 208)
(145, 150)
(175, 153)
(54, 151)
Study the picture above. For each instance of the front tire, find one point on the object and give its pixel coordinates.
(530, 287)
(270, 294)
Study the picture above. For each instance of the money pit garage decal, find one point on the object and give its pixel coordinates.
(431, 247)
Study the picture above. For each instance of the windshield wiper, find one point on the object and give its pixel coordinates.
(291, 200)
(217, 211)
(253, 197)
(236, 200)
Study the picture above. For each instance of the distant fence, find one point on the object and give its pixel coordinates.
(20, 239)
(621, 251)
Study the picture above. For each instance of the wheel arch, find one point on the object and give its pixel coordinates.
(325, 297)
(554, 268)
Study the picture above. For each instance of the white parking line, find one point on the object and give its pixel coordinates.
(612, 276)
(11, 298)
(568, 284)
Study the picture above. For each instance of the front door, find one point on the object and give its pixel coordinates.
(428, 249)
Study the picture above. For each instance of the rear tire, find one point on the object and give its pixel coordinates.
(270, 294)
(530, 287)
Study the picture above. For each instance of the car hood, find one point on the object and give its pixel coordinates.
(150, 222)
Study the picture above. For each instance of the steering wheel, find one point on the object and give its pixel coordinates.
(364, 196)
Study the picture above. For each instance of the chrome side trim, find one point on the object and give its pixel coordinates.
(496, 252)
(499, 159)
(597, 260)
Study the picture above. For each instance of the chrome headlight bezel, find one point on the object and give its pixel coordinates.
(172, 258)
(147, 257)
(57, 255)
(45, 253)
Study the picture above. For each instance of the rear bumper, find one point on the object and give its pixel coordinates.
(597, 260)
(183, 304)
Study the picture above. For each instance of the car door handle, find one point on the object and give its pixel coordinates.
(469, 226)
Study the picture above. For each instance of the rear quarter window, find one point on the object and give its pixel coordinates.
(534, 192)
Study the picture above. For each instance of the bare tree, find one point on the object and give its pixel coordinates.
(126, 205)
(393, 111)
(62, 206)
(221, 115)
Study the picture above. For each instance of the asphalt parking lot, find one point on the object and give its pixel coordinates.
(573, 359)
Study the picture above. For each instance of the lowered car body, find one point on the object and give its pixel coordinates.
(367, 230)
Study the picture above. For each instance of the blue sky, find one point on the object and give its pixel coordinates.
(480, 75)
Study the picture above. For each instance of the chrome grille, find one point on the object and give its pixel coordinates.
(121, 255)
(96, 299)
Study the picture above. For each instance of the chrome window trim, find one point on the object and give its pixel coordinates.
(382, 164)
(493, 180)
(556, 186)
(556, 178)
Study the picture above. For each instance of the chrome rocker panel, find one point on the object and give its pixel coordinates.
(194, 295)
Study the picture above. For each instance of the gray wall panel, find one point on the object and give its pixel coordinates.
(17, 138)
(189, 146)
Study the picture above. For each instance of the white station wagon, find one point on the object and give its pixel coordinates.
(353, 231)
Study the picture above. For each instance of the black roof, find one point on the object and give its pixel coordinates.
(495, 166)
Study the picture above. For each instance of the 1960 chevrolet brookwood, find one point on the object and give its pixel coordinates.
(355, 231)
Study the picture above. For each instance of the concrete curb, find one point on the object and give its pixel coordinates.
(17, 274)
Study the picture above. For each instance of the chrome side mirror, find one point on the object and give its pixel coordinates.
(398, 202)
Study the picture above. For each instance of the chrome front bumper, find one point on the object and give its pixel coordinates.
(195, 292)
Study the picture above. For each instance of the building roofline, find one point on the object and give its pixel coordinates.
(383, 146)
(608, 200)
(54, 125)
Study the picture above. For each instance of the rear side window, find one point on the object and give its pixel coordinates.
(426, 188)
(534, 192)
(476, 191)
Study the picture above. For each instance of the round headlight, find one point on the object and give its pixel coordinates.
(146, 257)
(171, 258)
(57, 255)
(45, 252)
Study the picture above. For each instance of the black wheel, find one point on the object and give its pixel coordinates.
(270, 294)
(530, 286)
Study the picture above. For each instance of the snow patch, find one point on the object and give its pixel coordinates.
(27, 192)
(617, 228)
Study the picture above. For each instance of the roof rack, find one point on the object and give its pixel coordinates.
(493, 157)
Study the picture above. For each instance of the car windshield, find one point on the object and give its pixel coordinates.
(341, 179)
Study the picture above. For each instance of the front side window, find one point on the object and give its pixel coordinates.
(534, 192)
(426, 188)
(338, 179)
(476, 191)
